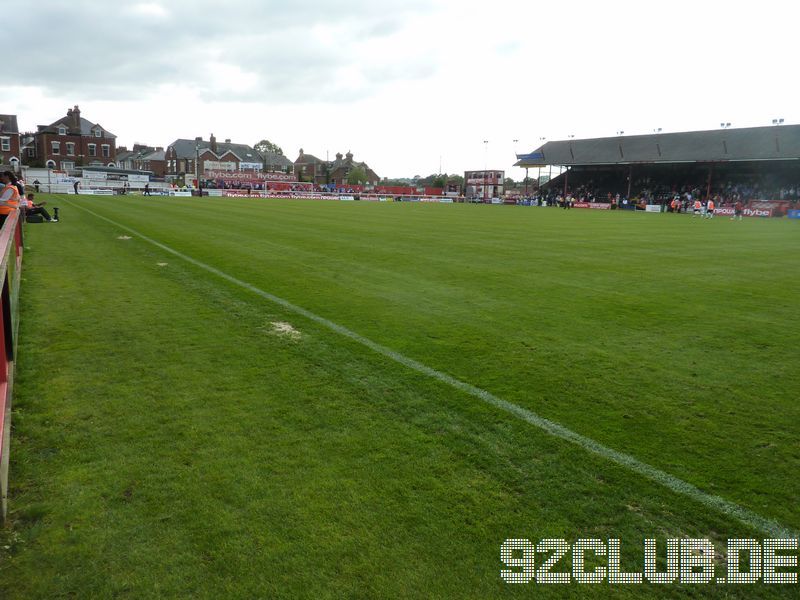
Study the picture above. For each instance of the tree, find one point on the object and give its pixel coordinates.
(356, 176)
(265, 146)
(402, 182)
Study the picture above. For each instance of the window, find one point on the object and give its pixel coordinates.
(70, 148)
(62, 130)
(92, 149)
(5, 144)
(56, 147)
(98, 133)
(67, 165)
(31, 152)
(106, 150)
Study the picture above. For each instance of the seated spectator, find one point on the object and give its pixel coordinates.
(31, 208)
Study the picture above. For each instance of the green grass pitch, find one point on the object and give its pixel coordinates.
(178, 436)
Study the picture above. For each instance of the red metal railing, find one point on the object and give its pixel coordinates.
(10, 269)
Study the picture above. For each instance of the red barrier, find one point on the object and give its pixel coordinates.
(10, 269)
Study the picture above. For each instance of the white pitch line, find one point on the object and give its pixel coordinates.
(684, 488)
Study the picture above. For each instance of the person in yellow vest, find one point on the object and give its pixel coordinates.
(698, 209)
(9, 195)
(710, 208)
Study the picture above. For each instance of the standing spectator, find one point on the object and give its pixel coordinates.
(36, 184)
(9, 196)
(75, 186)
(147, 190)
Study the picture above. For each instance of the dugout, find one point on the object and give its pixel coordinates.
(754, 163)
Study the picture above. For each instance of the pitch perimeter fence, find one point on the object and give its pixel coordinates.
(10, 270)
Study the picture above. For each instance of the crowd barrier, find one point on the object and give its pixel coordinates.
(10, 269)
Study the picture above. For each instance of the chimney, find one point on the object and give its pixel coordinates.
(76, 117)
(338, 156)
(349, 156)
(213, 142)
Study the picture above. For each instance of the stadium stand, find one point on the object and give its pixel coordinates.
(758, 163)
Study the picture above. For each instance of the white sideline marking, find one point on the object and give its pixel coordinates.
(726, 507)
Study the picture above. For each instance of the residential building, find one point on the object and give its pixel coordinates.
(125, 157)
(10, 152)
(182, 158)
(310, 168)
(485, 184)
(143, 158)
(340, 170)
(27, 143)
(73, 141)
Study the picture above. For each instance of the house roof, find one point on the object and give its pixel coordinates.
(9, 124)
(746, 144)
(188, 148)
(154, 155)
(87, 127)
(305, 159)
(125, 155)
(278, 160)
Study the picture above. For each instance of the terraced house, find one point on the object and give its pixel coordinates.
(188, 157)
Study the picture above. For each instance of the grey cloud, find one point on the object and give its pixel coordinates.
(109, 51)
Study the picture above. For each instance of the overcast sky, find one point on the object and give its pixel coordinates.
(404, 84)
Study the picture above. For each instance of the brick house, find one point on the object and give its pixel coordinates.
(310, 168)
(73, 141)
(10, 153)
(143, 158)
(181, 155)
(341, 167)
(153, 161)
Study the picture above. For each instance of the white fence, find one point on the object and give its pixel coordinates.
(58, 182)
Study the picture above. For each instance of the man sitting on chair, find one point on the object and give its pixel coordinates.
(31, 208)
